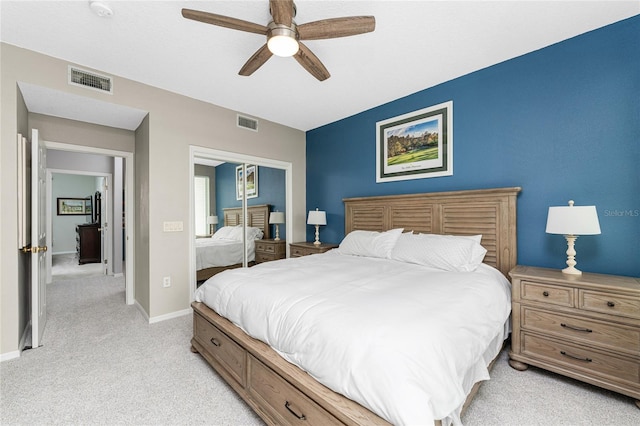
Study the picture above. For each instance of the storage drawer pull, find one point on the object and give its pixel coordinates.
(287, 405)
(571, 327)
(216, 342)
(545, 293)
(611, 304)
(575, 357)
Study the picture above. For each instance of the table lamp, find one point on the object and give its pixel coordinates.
(572, 221)
(317, 218)
(212, 221)
(276, 218)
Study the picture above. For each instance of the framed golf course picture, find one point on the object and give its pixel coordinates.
(415, 145)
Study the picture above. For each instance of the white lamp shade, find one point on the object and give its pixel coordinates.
(212, 220)
(276, 217)
(573, 220)
(317, 217)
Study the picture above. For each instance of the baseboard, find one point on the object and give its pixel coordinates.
(118, 275)
(171, 315)
(9, 355)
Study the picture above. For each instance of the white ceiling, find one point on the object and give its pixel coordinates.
(416, 45)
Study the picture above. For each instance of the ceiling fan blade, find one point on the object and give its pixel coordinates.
(336, 27)
(311, 63)
(224, 21)
(282, 11)
(256, 61)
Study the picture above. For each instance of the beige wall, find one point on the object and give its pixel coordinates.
(162, 176)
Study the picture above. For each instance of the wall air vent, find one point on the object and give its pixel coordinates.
(247, 123)
(101, 83)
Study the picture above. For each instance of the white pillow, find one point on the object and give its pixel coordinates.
(234, 233)
(253, 233)
(228, 233)
(447, 252)
(370, 243)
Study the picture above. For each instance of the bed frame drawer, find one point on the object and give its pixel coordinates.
(227, 352)
(286, 404)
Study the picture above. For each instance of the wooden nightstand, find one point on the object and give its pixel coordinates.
(305, 249)
(586, 326)
(267, 250)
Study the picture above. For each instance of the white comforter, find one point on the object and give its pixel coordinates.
(211, 252)
(405, 341)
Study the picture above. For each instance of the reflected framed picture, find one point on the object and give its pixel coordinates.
(252, 182)
(74, 206)
(416, 145)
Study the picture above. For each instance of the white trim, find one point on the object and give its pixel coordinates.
(196, 156)
(129, 171)
(170, 315)
(9, 356)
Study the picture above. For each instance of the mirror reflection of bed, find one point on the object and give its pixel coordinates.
(224, 249)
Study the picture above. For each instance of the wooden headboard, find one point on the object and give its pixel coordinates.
(257, 216)
(490, 212)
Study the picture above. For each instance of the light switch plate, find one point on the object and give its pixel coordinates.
(172, 226)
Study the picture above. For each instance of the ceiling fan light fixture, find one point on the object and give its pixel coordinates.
(282, 40)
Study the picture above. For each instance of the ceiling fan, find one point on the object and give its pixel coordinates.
(284, 35)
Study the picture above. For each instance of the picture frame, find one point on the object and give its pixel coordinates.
(68, 206)
(415, 145)
(252, 181)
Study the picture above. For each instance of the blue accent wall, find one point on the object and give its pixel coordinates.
(271, 190)
(562, 122)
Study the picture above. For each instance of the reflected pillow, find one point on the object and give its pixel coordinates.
(446, 252)
(228, 233)
(234, 233)
(370, 243)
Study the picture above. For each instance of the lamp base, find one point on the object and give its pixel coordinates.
(317, 241)
(571, 256)
(571, 270)
(277, 238)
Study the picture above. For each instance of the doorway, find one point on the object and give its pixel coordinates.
(125, 191)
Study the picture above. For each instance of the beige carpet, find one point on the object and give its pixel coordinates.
(102, 364)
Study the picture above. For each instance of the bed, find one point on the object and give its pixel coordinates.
(216, 255)
(282, 393)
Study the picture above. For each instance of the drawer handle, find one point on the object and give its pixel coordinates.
(287, 405)
(216, 342)
(575, 357)
(545, 293)
(572, 327)
(611, 304)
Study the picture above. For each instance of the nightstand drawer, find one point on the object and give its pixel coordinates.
(299, 251)
(584, 330)
(610, 303)
(582, 359)
(266, 248)
(265, 257)
(555, 295)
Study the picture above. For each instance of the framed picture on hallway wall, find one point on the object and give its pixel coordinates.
(74, 206)
(252, 181)
(416, 145)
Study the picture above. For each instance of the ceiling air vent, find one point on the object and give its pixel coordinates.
(247, 123)
(94, 81)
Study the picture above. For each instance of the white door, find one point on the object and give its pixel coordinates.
(38, 240)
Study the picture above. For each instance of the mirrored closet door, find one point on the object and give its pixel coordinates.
(239, 212)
